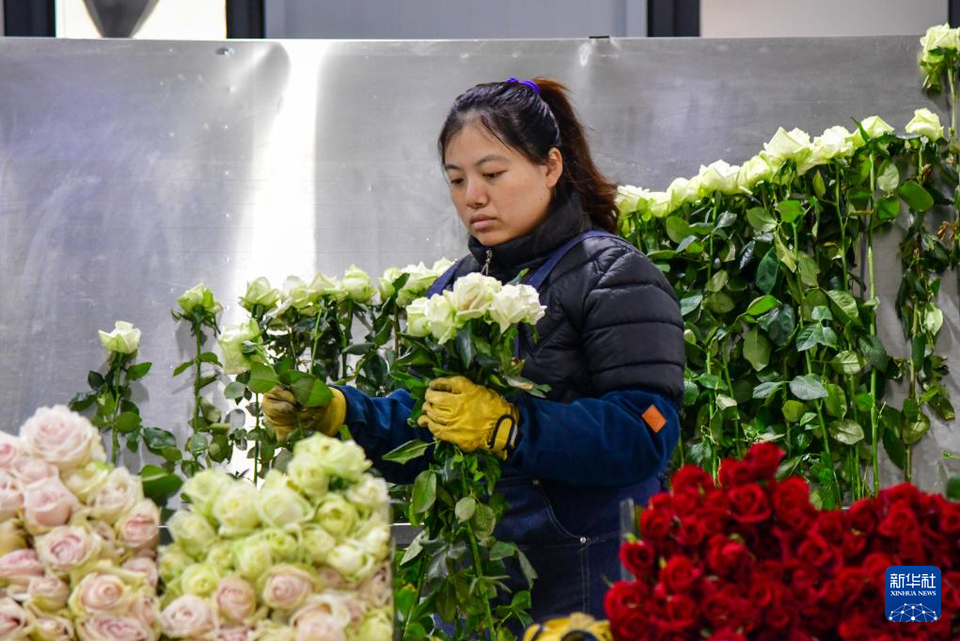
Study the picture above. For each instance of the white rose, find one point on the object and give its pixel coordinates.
(925, 123)
(187, 617)
(47, 504)
(66, 548)
(369, 492)
(145, 566)
(279, 506)
(310, 478)
(375, 539)
(377, 625)
(417, 324)
(204, 489)
(719, 177)
(118, 495)
(19, 567)
(140, 527)
(124, 339)
(252, 557)
(351, 561)
(356, 283)
(15, 622)
(285, 587)
(100, 593)
(192, 532)
(315, 544)
(200, 579)
(327, 605)
(231, 346)
(297, 294)
(199, 296)
(61, 437)
(344, 459)
(377, 591)
(268, 630)
(939, 36)
(173, 561)
(628, 198)
(787, 145)
(86, 481)
(385, 283)
(336, 515)
(874, 126)
(660, 203)
(472, 295)
(328, 287)
(516, 304)
(260, 293)
(441, 317)
(236, 510)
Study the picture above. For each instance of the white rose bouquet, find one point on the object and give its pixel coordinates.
(473, 331)
(77, 538)
(304, 556)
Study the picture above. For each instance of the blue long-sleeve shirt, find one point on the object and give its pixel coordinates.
(601, 441)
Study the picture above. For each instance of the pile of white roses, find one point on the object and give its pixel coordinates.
(77, 539)
(473, 296)
(940, 45)
(304, 556)
(795, 145)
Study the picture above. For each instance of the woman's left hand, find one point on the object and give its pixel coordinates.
(470, 416)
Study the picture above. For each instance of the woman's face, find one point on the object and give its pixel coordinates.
(499, 194)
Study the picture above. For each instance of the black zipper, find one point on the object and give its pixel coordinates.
(485, 270)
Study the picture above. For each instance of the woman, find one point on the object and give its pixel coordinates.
(610, 345)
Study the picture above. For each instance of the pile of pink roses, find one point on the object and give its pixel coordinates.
(77, 538)
(305, 556)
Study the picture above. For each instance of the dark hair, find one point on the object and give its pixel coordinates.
(533, 124)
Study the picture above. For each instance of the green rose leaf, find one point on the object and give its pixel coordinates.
(779, 324)
(767, 272)
(725, 402)
(808, 387)
(846, 431)
(836, 401)
(916, 197)
(793, 411)
(761, 305)
(127, 421)
(785, 255)
(889, 177)
(913, 430)
(761, 220)
(756, 349)
(677, 228)
(809, 269)
(424, 492)
(234, 390)
(465, 509)
(845, 305)
(888, 208)
(159, 484)
(873, 351)
(953, 488)
(262, 379)
(138, 371)
(763, 390)
(789, 210)
(311, 391)
(690, 303)
(846, 363)
(407, 452)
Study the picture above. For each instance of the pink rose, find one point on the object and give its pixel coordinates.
(236, 599)
(328, 604)
(61, 437)
(102, 627)
(11, 449)
(286, 587)
(14, 620)
(19, 566)
(11, 496)
(102, 594)
(48, 593)
(331, 579)
(140, 528)
(319, 625)
(146, 609)
(233, 634)
(143, 565)
(66, 548)
(188, 616)
(378, 589)
(119, 495)
(47, 504)
(109, 548)
(28, 469)
(53, 628)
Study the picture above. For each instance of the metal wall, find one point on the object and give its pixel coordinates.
(129, 171)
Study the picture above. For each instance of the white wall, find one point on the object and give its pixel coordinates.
(786, 18)
(454, 19)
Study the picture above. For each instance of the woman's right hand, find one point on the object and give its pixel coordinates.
(285, 414)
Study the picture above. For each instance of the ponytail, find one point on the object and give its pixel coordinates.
(533, 122)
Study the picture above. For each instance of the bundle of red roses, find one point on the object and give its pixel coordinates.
(753, 559)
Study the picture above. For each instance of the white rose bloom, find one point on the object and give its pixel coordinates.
(280, 506)
(124, 339)
(386, 281)
(260, 293)
(925, 123)
(874, 126)
(417, 324)
(370, 492)
(61, 437)
(297, 294)
(472, 295)
(628, 198)
(441, 317)
(231, 346)
(787, 145)
(661, 203)
(328, 287)
(939, 36)
(719, 176)
(356, 283)
(236, 509)
(755, 170)
(205, 487)
(352, 562)
(516, 304)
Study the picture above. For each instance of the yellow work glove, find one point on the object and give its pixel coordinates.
(470, 416)
(284, 413)
(576, 627)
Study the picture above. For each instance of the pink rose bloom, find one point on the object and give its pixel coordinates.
(233, 633)
(331, 579)
(47, 504)
(14, 620)
(53, 628)
(20, 566)
(286, 587)
(66, 548)
(143, 565)
(11, 496)
(109, 548)
(61, 437)
(48, 593)
(146, 609)
(236, 599)
(378, 590)
(119, 495)
(318, 625)
(28, 469)
(187, 617)
(140, 528)
(103, 594)
(11, 449)
(328, 605)
(102, 627)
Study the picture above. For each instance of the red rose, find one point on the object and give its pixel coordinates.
(724, 609)
(791, 502)
(762, 460)
(951, 590)
(950, 518)
(655, 524)
(626, 609)
(727, 634)
(863, 515)
(632, 626)
(714, 515)
(912, 550)
(900, 520)
(903, 493)
(661, 501)
(638, 558)
(685, 503)
(875, 568)
(727, 558)
(680, 613)
(804, 581)
(691, 532)
(691, 478)
(831, 525)
(851, 582)
(749, 504)
(816, 551)
(853, 545)
(760, 591)
(734, 473)
(679, 574)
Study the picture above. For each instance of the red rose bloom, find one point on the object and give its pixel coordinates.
(691, 478)
(679, 574)
(903, 493)
(900, 520)
(817, 552)
(863, 515)
(691, 532)
(762, 460)
(655, 524)
(950, 519)
(624, 598)
(638, 557)
(749, 504)
(727, 558)
(791, 502)
(680, 613)
(734, 473)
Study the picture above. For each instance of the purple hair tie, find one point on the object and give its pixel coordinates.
(529, 83)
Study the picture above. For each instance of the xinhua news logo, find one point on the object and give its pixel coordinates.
(912, 594)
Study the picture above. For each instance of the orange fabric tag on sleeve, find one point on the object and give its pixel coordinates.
(654, 418)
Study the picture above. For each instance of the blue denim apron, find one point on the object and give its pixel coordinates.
(569, 533)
